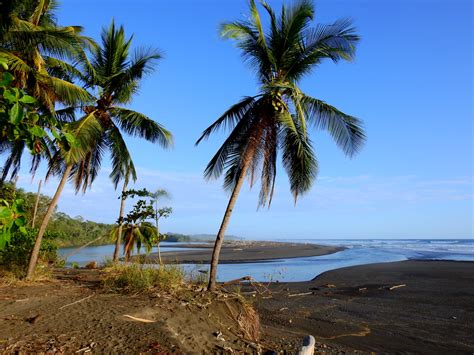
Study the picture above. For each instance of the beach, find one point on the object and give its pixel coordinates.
(409, 306)
(243, 252)
(430, 308)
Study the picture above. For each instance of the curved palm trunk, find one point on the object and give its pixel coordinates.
(44, 224)
(120, 227)
(230, 206)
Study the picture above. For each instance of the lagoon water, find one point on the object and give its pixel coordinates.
(358, 252)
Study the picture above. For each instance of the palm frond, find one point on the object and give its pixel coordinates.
(122, 164)
(298, 157)
(139, 125)
(229, 118)
(347, 131)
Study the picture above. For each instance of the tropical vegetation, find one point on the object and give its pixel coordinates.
(65, 101)
(280, 116)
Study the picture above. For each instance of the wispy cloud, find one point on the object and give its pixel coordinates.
(198, 204)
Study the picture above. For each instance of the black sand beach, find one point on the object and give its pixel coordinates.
(244, 252)
(431, 311)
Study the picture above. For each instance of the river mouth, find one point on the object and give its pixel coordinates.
(357, 252)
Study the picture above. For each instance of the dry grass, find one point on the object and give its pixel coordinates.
(247, 319)
(15, 276)
(135, 278)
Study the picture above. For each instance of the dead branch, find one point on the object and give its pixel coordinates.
(82, 299)
(231, 282)
(300, 294)
(139, 319)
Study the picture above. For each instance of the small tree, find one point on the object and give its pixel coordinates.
(164, 212)
(136, 231)
(135, 222)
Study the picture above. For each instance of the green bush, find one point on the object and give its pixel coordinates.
(17, 252)
(137, 278)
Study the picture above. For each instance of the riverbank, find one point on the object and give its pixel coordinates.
(408, 306)
(236, 252)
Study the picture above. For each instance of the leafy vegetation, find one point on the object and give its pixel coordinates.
(64, 98)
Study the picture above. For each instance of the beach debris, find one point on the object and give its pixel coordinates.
(300, 294)
(308, 346)
(227, 349)
(396, 286)
(219, 335)
(235, 281)
(91, 265)
(362, 289)
(82, 299)
(86, 349)
(143, 320)
(22, 300)
(33, 319)
(330, 286)
(282, 309)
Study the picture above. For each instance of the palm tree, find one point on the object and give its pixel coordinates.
(42, 56)
(116, 76)
(279, 116)
(138, 235)
(135, 228)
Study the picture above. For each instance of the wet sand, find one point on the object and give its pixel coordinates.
(354, 307)
(243, 252)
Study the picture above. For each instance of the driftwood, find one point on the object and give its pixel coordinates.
(396, 286)
(139, 319)
(82, 299)
(300, 294)
(236, 281)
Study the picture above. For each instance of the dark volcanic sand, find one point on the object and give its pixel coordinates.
(434, 313)
(244, 252)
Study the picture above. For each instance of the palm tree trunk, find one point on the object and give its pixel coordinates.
(119, 231)
(44, 224)
(230, 206)
(36, 205)
(157, 231)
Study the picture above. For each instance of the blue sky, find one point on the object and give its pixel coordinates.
(411, 84)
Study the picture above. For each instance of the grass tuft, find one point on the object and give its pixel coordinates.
(135, 278)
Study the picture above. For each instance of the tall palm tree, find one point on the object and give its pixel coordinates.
(279, 116)
(43, 58)
(115, 75)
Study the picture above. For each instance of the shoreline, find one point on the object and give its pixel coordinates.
(420, 306)
(241, 252)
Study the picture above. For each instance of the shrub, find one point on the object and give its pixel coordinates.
(15, 256)
(137, 278)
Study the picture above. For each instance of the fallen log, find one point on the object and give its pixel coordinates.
(396, 286)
